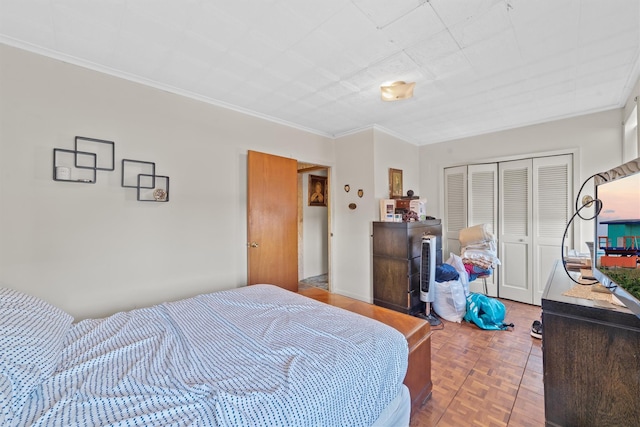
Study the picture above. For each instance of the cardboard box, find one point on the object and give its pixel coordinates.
(419, 206)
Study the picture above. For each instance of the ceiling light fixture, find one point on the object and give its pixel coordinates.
(396, 91)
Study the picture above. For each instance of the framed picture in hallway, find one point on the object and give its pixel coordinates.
(317, 190)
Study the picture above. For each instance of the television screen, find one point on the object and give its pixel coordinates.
(617, 248)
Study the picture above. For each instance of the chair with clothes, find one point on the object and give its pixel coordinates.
(478, 251)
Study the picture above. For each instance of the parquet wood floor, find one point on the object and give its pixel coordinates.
(486, 378)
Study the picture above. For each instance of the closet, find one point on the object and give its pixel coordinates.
(528, 202)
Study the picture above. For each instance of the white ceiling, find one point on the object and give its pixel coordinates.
(479, 65)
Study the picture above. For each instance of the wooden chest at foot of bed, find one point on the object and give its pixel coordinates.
(416, 331)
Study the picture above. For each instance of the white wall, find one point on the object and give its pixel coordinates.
(363, 161)
(93, 249)
(392, 152)
(596, 139)
(351, 275)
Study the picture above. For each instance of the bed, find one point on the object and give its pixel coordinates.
(255, 356)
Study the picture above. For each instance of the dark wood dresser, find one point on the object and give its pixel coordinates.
(396, 262)
(591, 359)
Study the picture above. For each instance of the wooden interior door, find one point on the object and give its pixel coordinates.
(272, 214)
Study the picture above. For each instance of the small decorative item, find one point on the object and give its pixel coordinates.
(409, 193)
(360, 192)
(352, 206)
(347, 188)
(160, 195)
(395, 183)
(317, 190)
(410, 217)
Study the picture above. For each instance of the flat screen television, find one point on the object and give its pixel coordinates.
(617, 233)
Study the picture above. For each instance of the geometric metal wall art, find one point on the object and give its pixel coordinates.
(141, 175)
(80, 164)
(91, 155)
(105, 152)
(158, 194)
(65, 169)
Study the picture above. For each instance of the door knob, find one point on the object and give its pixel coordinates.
(253, 245)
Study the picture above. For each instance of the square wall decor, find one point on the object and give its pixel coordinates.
(131, 169)
(65, 166)
(160, 193)
(104, 150)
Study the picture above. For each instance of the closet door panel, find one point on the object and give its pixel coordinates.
(516, 278)
(483, 194)
(552, 200)
(483, 209)
(515, 230)
(455, 208)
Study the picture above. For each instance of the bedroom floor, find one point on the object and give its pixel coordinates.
(486, 378)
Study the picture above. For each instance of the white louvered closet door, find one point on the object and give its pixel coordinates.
(455, 208)
(528, 202)
(483, 209)
(552, 200)
(515, 230)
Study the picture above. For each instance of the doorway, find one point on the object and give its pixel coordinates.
(313, 225)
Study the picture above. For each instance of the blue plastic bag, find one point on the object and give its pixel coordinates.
(487, 313)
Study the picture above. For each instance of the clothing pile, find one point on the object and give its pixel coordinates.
(486, 312)
(478, 250)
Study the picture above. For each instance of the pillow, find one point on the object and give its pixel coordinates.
(32, 333)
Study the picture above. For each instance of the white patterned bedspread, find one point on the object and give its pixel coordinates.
(254, 356)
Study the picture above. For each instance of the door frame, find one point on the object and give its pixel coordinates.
(301, 202)
(576, 229)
